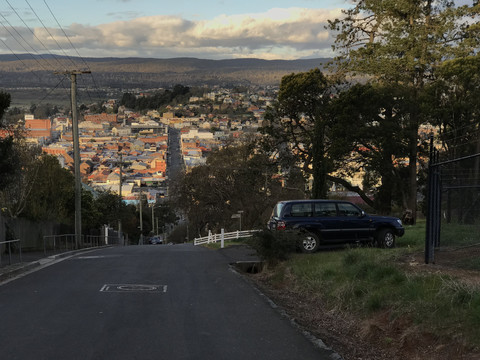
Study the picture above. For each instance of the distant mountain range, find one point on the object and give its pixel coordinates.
(24, 70)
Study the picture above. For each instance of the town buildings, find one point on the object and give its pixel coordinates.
(136, 144)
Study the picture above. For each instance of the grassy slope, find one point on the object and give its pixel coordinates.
(369, 281)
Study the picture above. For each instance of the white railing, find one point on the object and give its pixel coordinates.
(213, 238)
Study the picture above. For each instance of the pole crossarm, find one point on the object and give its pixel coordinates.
(72, 72)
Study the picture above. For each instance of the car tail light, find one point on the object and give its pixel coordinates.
(281, 225)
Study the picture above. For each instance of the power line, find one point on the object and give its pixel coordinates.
(33, 33)
(33, 57)
(33, 73)
(64, 33)
(73, 47)
(49, 33)
(14, 54)
(52, 90)
(26, 42)
(17, 36)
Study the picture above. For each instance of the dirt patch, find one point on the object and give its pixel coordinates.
(380, 337)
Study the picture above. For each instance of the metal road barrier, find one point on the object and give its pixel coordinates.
(213, 238)
(66, 242)
(11, 246)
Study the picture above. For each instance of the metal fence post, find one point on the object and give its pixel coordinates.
(430, 212)
(222, 239)
(9, 253)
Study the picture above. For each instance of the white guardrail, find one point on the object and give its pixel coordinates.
(213, 238)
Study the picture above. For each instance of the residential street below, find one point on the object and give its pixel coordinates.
(145, 302)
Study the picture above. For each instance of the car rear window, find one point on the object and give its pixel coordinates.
(301, 210)
(277, 210)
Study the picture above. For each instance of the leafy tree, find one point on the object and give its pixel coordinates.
(8, 161)
(14, 195)
(403, 43)
(369, 135)
(91, 215)
(128, 100)
(454, 107)
(43, 111)
(235, 178)
(165, 213)
(299, 123)
(54, 187)
(8, 158)
(5, 99)
(159, 99)
(108, 208)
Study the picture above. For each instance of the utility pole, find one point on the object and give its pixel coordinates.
(141, 219)
(76, 152)
(121, 200)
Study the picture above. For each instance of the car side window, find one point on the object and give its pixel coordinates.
(301, 210)
(325, 209)
(346, 209)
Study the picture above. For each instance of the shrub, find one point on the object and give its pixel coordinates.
(274, 247)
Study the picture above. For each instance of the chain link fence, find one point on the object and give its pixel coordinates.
(453, 215)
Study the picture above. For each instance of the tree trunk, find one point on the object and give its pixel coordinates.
(319, 190)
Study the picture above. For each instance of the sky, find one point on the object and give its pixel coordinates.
(207, 29)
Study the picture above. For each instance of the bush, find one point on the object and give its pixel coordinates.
(274, 247)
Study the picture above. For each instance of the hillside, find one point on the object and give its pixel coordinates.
(37, 71)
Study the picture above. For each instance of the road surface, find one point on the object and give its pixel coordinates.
(144, 302)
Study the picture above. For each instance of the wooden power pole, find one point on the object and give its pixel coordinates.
(76, 152)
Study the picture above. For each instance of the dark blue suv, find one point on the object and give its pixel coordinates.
(334, 222)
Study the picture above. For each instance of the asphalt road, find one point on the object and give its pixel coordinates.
(144, 302)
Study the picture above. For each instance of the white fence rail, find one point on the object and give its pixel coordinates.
(213, 238)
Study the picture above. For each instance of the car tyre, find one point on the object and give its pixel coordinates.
(386, 239)
(309, 243)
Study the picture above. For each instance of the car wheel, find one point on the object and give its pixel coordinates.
(310, 243)
(386, 239)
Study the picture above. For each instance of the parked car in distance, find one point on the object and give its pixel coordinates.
(328, 222)
(155, 240)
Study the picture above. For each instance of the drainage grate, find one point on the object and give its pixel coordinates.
(138, 288)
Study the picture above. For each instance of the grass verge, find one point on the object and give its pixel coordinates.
(368, 282)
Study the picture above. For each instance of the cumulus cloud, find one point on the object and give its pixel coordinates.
(276, 34)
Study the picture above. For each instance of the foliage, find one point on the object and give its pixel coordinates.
(8, 157)
(52, 198)
(14, 196)
(235, 178)
(179, 234)
(369, 281)
(5, 99)
(179, 94)
(370, 129)
(453, 100)
(299, 123)
(43, 111)
(8, 161)
(403, 43)
(274, 247)
(107, 208)
(165, 215)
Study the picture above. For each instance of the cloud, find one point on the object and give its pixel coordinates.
(278, 33)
